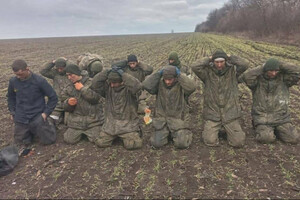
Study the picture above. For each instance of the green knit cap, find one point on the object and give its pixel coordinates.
(272, 64)
(169, 72)
(60, 62)
(73, 69)
(174, 56)
(219, 53)
(114, 77)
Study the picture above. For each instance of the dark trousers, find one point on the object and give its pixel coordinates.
(45, 131)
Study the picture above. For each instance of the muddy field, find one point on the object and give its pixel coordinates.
(85, 171)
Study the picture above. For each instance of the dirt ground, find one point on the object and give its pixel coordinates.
(86, 171)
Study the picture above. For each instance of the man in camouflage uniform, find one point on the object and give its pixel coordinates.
(138, 70)
(120, 91)
(92, 63)
(174, 61)
(55, 70)
(171, 88)
(221, 107)
(270, 90)
(84, 107)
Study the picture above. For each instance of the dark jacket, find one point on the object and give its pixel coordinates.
(26, 99)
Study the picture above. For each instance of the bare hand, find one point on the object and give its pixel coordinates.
(44, 116)
(72, 101)
(78, 85)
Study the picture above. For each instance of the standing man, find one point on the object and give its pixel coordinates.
(55, 70)
(171, 88)
(120, 91)
(92, 63)
(138, 70)
(270, 85)
(221, 108)
(84, 107)
(26, 103)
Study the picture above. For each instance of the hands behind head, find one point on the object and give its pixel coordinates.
(117, 69)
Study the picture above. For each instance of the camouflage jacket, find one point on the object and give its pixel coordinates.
(88, 112)
(120, 103)
(271, 96)
(221, 94)
(60, 81)
(170, 101)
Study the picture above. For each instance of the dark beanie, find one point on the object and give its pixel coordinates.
(132, 58)
(272, 64)
(169, 72)
(114, 77)
(219, 53)
(18, 64)
(73, 69)
(60, 62)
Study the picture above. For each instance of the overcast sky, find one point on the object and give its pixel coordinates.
(55, 18)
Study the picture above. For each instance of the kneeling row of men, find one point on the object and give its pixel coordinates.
(122, 86)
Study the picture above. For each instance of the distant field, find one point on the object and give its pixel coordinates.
(85, 171)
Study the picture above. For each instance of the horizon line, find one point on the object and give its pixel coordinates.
(70, 36)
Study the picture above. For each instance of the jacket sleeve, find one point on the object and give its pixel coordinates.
(151, 83)
(199, 68)
(99, 83)
(48, 71)
(146, 68)
(90, 95)
(122, 63)
(50, 93)
(241, 64)
(131, 83)
(291, 73)
(250, 76)
(187, 84)
(11, 97)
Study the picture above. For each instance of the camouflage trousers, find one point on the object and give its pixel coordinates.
(130, 140)
(182, 138)
(285, 132)
(142, 102)
(235, 135)
(72, 136)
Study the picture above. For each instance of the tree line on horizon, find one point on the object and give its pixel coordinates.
(257, 17)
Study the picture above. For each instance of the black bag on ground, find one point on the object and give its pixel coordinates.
(8, 159)
(47, 132)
